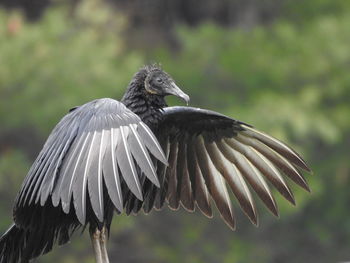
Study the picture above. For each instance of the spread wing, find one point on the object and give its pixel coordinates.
(99, 143)
(210, 153)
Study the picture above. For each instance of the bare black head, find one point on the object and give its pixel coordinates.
(158, 82)
(151, 84)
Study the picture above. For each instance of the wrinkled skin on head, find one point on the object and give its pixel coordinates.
(160, 83)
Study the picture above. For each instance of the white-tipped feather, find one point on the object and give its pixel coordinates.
(141, 146)
(160, 154)
(68, 178)
(99, 169)
(88, 150)
(70, 187)
(57, 193)
(153, 177)
(115, 167)
(83, 187)
(124, 130)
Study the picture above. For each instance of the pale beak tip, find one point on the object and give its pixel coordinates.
(179, 93)
(186, 98)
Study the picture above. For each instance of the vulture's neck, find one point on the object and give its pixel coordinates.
(147, 106)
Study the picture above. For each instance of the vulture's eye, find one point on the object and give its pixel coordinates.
(159, 80)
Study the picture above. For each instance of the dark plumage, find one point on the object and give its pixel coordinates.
(108, 156)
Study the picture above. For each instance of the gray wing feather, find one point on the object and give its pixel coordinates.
(40, 171)
(62, 191)
(97, 146)
(77, 184)
(141, 155)
(48, 182)
(31, 183)
(152, 142)
(126, 163)
(111, 173)
(95, 180)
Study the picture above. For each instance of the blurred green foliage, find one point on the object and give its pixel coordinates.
(290, 78)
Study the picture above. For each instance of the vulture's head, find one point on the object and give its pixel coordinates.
(158, 82)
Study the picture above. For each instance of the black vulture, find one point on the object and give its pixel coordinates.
(107, 157)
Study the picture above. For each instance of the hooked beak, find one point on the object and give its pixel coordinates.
(176, 91)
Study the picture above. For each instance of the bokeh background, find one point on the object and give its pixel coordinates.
(282, 65)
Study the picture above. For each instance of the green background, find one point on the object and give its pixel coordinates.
(282, 66)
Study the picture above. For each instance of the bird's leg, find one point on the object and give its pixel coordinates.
(103, 244)
(95, 235)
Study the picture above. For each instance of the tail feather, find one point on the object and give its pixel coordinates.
(18, 245)
(12, 244)
(36, 230)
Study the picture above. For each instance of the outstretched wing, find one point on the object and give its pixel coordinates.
(208, 151)
(99, 143)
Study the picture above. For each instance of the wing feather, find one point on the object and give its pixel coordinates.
(277, 145)
(94, 177)
(111, 172)
(265, 166)
(126, 163)
(49, 181)
(171, 172)
(251, 174)
(200, 190)
(151, 142)
(277, 160)
(215, 182)
(184, 183)
(62, 192)
(40, 172)
(44, 160)
(79, 186)
(73, 171)
(141, 155)
(99, 149)
(161, 172)
(234, 178)
(208, 150)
